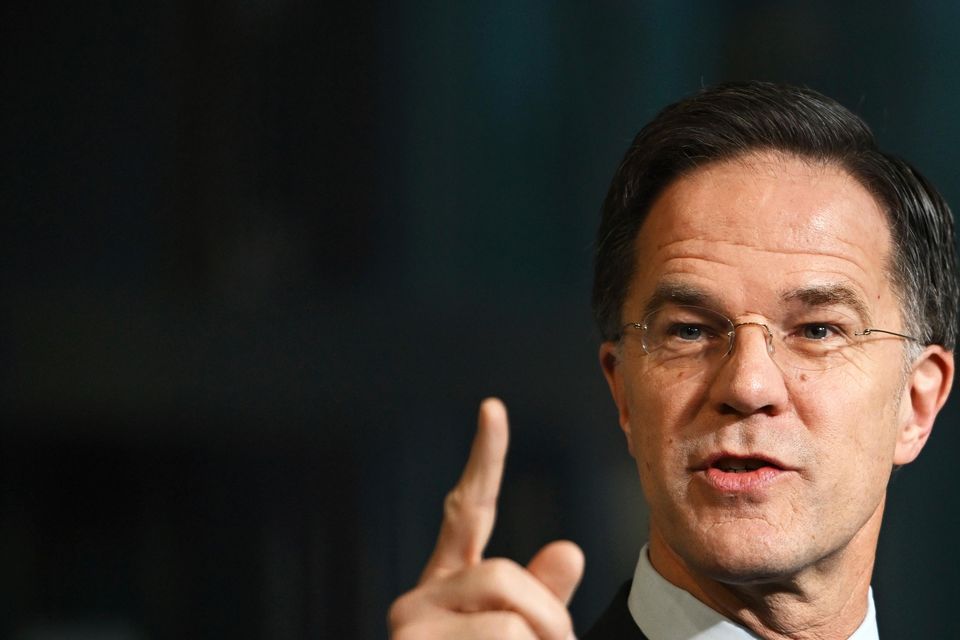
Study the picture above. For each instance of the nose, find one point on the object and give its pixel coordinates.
(749, 380)
(766, 334)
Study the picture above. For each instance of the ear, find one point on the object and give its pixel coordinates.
(928, 387)
(610, 363)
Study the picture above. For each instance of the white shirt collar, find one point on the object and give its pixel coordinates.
(664, 611)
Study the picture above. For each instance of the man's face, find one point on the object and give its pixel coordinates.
(747, 238)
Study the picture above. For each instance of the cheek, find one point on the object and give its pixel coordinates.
(850, 423)
(666, 400)
(664, 409)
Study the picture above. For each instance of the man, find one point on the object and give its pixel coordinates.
(777, 300)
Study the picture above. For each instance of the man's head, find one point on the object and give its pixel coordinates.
(764, 448)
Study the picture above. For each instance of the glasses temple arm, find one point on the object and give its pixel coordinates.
(867, 332)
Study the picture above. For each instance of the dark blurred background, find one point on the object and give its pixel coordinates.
(261, 259)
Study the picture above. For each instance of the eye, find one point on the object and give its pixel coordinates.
(817, 331)
(687, 332)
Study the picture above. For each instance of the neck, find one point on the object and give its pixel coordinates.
(826, 599)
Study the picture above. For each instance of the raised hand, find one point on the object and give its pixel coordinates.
(462, 595)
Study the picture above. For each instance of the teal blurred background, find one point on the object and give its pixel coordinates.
(262, 259)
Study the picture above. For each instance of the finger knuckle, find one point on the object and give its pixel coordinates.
(461, 503)
(507, 625)
(456, 512)
(500, 571)
(453, 503)
(399, 611)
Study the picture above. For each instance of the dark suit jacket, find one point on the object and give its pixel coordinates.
(616, 623)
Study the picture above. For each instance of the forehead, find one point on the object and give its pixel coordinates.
(763, 224)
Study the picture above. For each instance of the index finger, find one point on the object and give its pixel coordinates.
(470, 508)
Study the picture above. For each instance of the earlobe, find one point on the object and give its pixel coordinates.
(928, 387)
(610, 364)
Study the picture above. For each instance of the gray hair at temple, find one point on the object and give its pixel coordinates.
(733, 119)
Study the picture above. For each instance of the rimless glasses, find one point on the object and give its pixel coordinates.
(686, 336)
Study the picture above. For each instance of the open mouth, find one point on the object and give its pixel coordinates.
(741, 465)
(733, 474)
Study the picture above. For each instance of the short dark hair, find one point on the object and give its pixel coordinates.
(734, 119)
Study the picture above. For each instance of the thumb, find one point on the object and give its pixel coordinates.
(559, 565)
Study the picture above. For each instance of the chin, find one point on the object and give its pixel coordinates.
(744, 557)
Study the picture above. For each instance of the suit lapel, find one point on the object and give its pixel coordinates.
(616, 623)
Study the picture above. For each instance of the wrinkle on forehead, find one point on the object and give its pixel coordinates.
(767, 203)
(682, 259)
(715, 244)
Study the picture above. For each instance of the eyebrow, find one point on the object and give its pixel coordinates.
(819, 295)
(828, 295)
(679, 293)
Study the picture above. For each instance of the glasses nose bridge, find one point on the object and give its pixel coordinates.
(768, 335)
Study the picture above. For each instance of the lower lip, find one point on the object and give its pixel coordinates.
(744, 481)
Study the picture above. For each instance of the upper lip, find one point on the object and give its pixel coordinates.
(712, 459)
